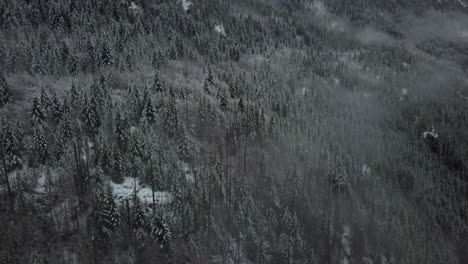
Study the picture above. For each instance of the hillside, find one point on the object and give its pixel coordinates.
(249, 131)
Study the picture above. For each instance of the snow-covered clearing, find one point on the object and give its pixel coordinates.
(186, 4)
(131, 186)
(220, 29)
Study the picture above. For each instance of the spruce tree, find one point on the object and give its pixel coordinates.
(40, 145)
(37, 112)
(45, 101)
(56, 108)
(161, 232)
(89, 115)
(148, 114)
(120, 130)
(170, 116)
(158, 84)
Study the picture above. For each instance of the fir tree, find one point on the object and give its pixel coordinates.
(139, 218)
(120, 130)
(158, 84)
(161, 233)
(45, 101)
(75, 96)
(118, 167)
(56, 108)
(157, 60)
(37, 112)
(89, 115)
(148, 114)
(4, 90)
(65, 128)
(40, 147)
(170, 117)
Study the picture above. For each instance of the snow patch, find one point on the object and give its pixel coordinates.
(131, 186)
(134, 7)
(403, 94)
(220, 29)
(366, 170)
(431, 133)
(186, 4)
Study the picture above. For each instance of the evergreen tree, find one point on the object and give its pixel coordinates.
(148, 114)
(158, 84)
(56, 108)
(4, 90)
(158, 59)
(45, 101)
(223, 101)
(170, 117)
(75, 96)
(120, 130)
(89, 115)
(37, 112)
(65, 128)
(161, 232)
(118, 167)
(10, 144)
(139, 218)
(40, 147)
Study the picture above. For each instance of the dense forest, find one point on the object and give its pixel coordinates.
(245, 131)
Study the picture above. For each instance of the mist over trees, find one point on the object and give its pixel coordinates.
(249, 131)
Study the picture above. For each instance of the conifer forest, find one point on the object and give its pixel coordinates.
(234, 131)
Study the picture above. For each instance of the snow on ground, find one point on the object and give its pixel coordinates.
(126, 191)
(134, 7)
(403, 94)
(186, 4)
(220, 29)
(431, 133)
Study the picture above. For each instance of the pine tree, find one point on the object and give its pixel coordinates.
(148, 114)
(161, 232)
(65, 128)
(4, 90)
(75, 96)
(37, 112)
(223, 102)
(107, 58)
(118, 167)
(89, 115)
(40, 148)
(56, 108)
(73, 66)
(158, 59)
(45, 101)
(158, 84)
(120, 130)
(139, 218)
(10, 144)
(182, 142)
(170, 117)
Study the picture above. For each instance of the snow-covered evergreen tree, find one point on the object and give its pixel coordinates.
(158, 84)
(148, 114)
(89, 115)
(45, 100)
(161, 232)
(37, 113)
(170, 117)
(40, 145)
(56, 108)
